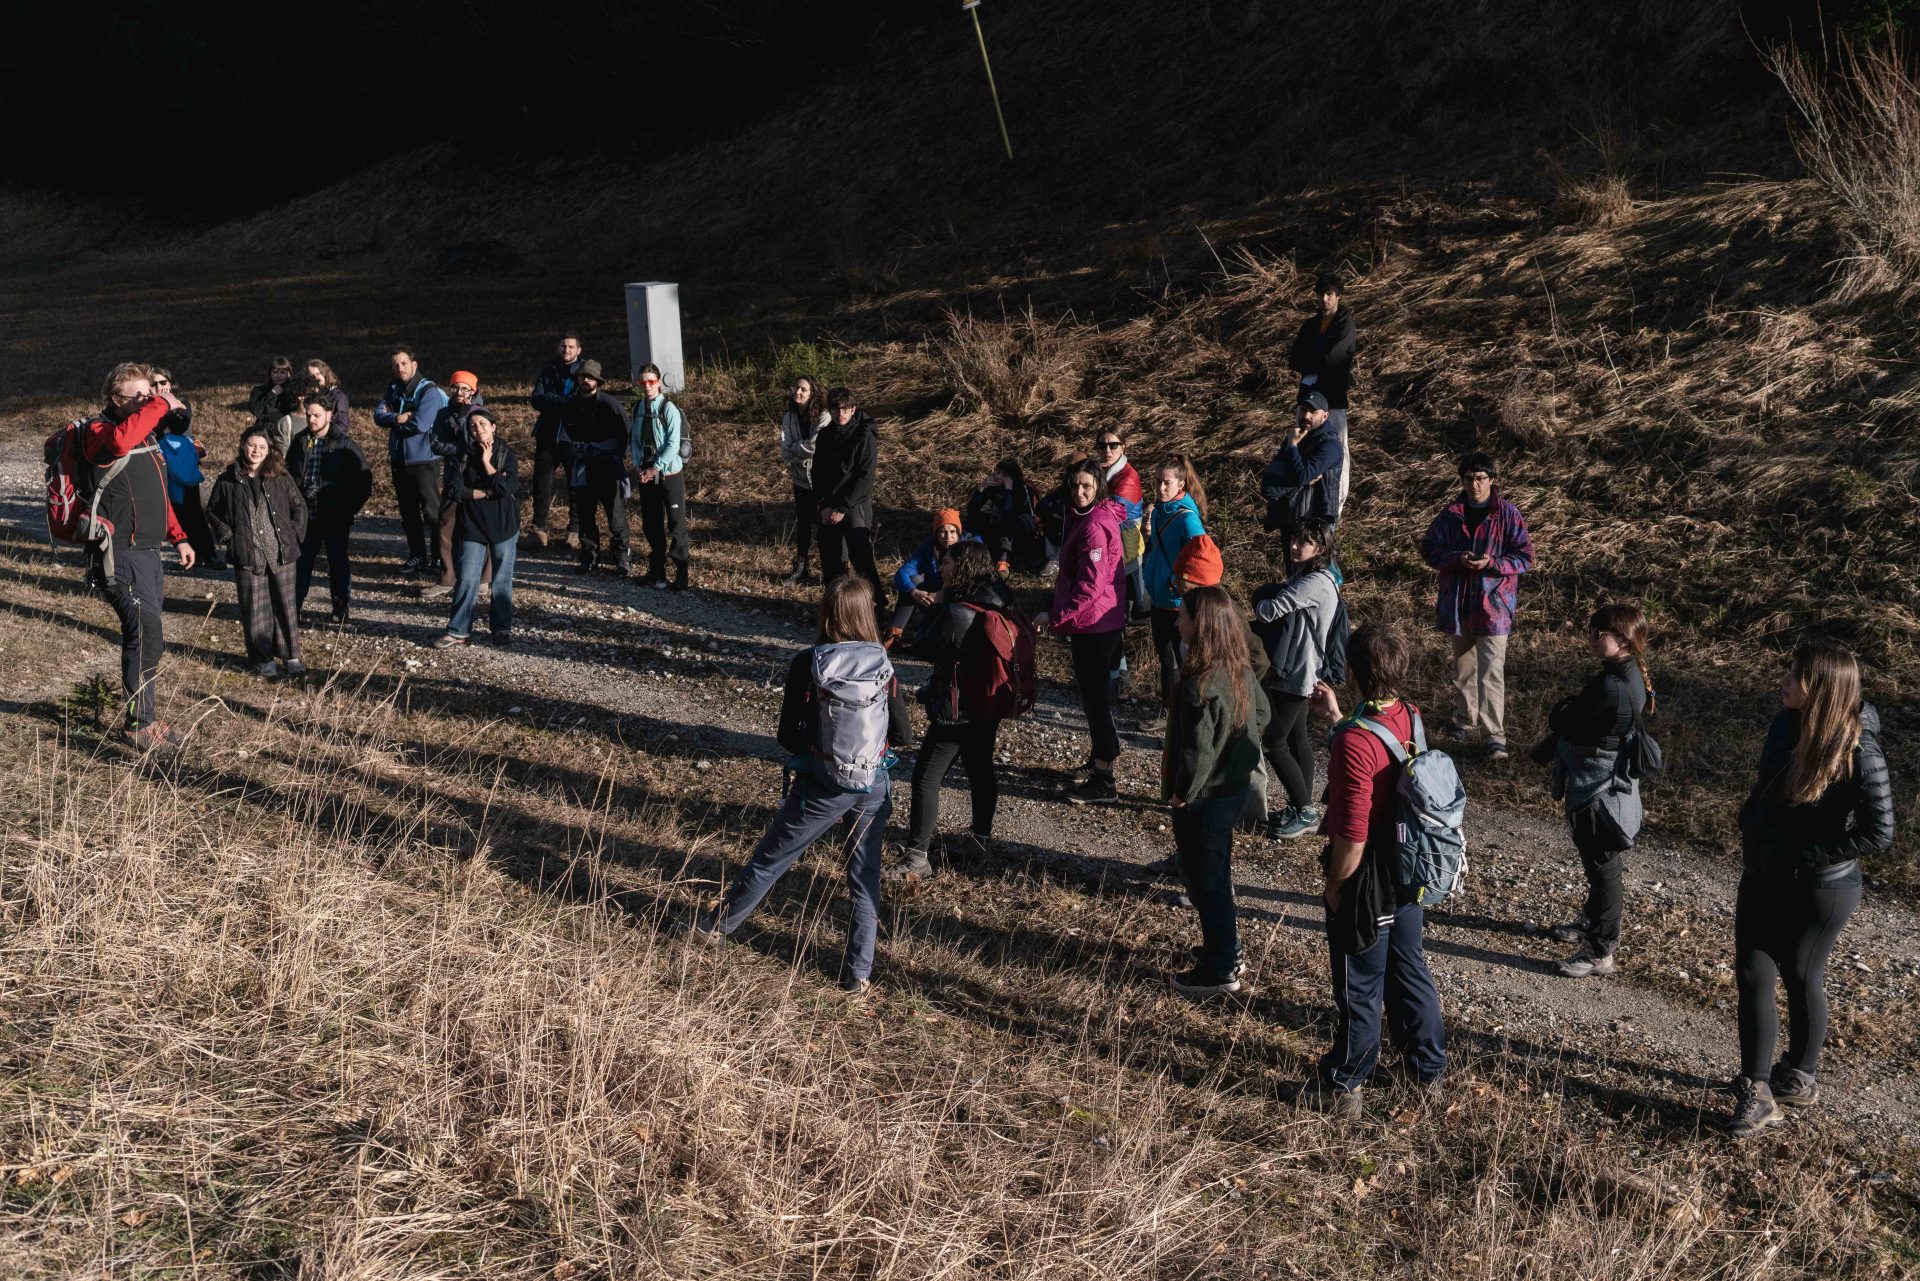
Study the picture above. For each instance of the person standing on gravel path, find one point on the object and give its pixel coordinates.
(817, 715)
(336, 481)
(1822, 802)
(657, 462)
(1177, 516)
(259, 513)
(1212, 749)
(407, 412)
(486, 503)
(553, 387)
(1089, 597)
(126, 568)
(1479, 546)
(1601, 792)
(1374, 938)
(801, 423)
(1322, 354)
(1294, 621)
(596, 426)
(183, 455)
(450, 441)
(846, 458)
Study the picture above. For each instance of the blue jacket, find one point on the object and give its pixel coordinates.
(921, 572)
(183, 465)
(412, 441)
(1303, 480)
(1173, 524)
(657, 431)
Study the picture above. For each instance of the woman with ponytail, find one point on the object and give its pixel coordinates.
(1822, 802)
(1602, 799)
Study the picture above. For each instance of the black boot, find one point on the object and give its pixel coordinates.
(679, 583)
(656, 574)
(589, 557)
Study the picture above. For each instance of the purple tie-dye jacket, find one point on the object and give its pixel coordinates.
(1478, 602)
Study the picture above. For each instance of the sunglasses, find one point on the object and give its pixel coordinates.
(649, 382)
(163, 382)
(1106, 444)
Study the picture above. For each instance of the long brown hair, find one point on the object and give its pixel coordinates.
(322, 372)
(846, 612)
(1189, 480)
(1219, 646)
(270, 466)
(816, 405)
(1630, 625)
(1829, 719)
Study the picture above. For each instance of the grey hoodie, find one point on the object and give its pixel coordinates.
(797, 440)
(1292, 620)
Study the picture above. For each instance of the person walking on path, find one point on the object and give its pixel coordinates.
(336, 482)
(1301, 482)
(1088, 609)
(486, 529)
(1212, 749)
(553, 388)
(1479, 546)
(800, 425)
(407, 413)
(839, 716)
(846, 459)
(1178, 515)
(125, 567)
(183, 455)
(596, 426)
(450, 442)
(1600, 791)
(275, 404)
(657, 457)
(918, 579)
(1822, 802)
(1374, 935)
(260, 515)
(1322, 354)
(1294, 622)
(970, 585)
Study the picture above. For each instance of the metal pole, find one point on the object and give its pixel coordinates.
(973, 7)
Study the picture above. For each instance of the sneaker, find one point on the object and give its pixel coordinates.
(1200, 983)
(796, 575)
(1050, 570)
(1584, 965)
(1497, 751)
(1168, 866)
(1318, 1094)
(706, 930)
(154, 735)
(1096, 789)
(503, 639)
(413, 565)
(588, 559)
(911, 867)
(435, 591)
(269, 670)
(652, 578)
(892, 637)
(340, 617)
(622, 565)
(1793, 1088)
(1754, 1109)
(296, 668)
(852, 989)
(1296, 822)
(1454, 732)
(1571, 932)
(972, 845)
(449, 641)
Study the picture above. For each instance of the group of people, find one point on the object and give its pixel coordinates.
(1238, 686)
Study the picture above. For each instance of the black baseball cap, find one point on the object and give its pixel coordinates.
(1311, 399)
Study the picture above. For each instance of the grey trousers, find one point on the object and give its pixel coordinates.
(137, 592)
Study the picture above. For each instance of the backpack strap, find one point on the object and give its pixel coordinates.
(1395, 748)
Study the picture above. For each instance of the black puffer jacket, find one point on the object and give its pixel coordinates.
(942, 641)
(844, 463)
(1852, 819)
(229, 512)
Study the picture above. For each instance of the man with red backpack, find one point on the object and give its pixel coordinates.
(119, 477)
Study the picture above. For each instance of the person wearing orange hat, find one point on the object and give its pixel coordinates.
(450, 438)
(918, 580)
(1198, 564)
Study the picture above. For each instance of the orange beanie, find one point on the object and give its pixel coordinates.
(1199, 562)
(462, 376)
(947, 516)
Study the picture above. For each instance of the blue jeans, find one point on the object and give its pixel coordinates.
(809, 810)
(469, 559)
(1393, 970)
(1203, 851)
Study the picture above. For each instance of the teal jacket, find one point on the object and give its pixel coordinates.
(656, 436)
(1173, 524)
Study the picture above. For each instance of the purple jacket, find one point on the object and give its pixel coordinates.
(1088, 595)
(1478, 602)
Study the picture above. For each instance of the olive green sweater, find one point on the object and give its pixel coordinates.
(1206, 755)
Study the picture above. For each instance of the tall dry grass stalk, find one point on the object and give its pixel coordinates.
(1018, 367)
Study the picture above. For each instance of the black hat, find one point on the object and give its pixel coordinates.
(1311, 399)
(1328, 283)
(591, 369)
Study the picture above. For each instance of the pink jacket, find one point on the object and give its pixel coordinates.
(1089, 596)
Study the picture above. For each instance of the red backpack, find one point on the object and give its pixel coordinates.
(72, 506)
(997, 678)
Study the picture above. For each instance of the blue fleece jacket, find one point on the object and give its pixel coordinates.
(1173, 524)
(412, 441)
(655, 442)
(921, 572)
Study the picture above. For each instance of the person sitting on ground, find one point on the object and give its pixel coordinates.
(918, 580)
(553, 387)
(1177, 516)
(1301, 482)
(259, 514)
(970, 585)
(407, 413)
(1601, 799)
(1373, 936)
(322, 382)
(336, 482)
(1088, 596)
(596, 426)
(1479, 545)
(800, 426)
(275, 404)
(1212, 748)
(657, 461)
(125, 567)
(486, 528)
(846, 460)
(1822, 802)
(183, 455)
(840, 714)
(1000, 513)
(1294, 621)
(450, 441)
(1322, 354)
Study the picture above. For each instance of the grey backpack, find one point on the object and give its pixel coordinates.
(1430, 836)
(852, 682)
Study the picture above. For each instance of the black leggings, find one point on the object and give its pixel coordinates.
(1289, 747)
(973, 744)
(1093, 658)
(1783, 931)
(1166, 643)
(806, 518)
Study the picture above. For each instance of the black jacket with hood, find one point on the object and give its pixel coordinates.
(1327, 355)
(844, 462)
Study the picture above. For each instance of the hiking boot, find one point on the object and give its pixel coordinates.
(340, 617)
(1317, 1094)
(1571, 932)
(1454, 732)
(503, 639)
(893, 635)
(796, 575)
(1168, 866)
(974, 846)
(588, 559)
(1497, 751)
(296, 668)
(911, 867)
(435, 591)
(1754, 1109)
(1585, 965)
(706, 930)
(268, 670)
(852, 989)
(154, 735)
(449, 641)
(1199, 982)
(1432, 1092)
(1292, 822)
(413, 565)
(654, 576)
(679, 583)
(1096, 789)
(1793, 1088)
(622, 565)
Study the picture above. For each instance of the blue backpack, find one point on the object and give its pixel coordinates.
(1430, 833)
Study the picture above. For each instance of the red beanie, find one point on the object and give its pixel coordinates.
(1199, 562)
